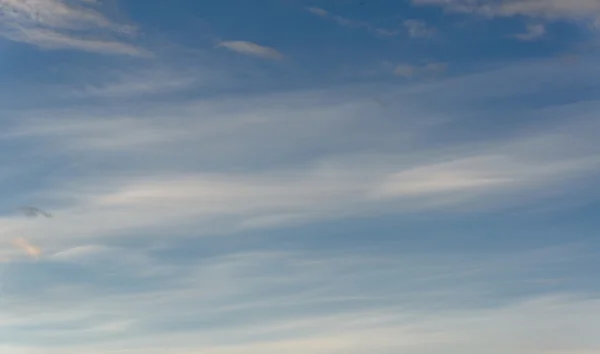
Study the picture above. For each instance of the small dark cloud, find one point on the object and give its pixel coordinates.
(33, 212)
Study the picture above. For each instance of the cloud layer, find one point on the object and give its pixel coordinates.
(346, 178)
(273, 301)
(572, 10)
(204, 202)
(62, 24)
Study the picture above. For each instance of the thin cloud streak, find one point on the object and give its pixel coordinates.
(348, 22)
(274, 301)
(58, 24)
(317, 11)
(27, 247)
(533, 32)
(457, 175)
(252, 49)
(571, 10)
(53, 40)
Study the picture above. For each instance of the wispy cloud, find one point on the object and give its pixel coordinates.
(180, 167)
(27, 247)
(60, 24)
(532, 33)
(137, 84)
(405, 70)
(252, 49)
(297, 302)
(462, 174)
(50, 39)
(419, 29)
(106, 134)
(317, 11)
(351, 23)
(362, 217)
(572, 10)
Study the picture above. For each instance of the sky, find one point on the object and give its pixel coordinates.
(324, 176)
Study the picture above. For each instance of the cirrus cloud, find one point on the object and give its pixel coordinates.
(570, 10)
(252, 49)
(61, 24)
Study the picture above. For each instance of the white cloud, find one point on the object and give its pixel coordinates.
(185, 168)
(217, 165)
(533, 32)
(252, 49)
(570, 10)
(60, 24)
(218, 202)
(57, 14)
(418, 29)
(455, 176)
(49, 39)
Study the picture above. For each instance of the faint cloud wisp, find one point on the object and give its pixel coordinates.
(60, 24)
(252, 49)
(551, 10)
(532, 33)
(407, 70)
(348, 22)
(419, 29)
(27, 247)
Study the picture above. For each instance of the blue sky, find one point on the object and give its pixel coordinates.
(327, 176)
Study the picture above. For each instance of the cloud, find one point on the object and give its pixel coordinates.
(143, 187)
(232, 203)
(252, 49)
(60, 24)
(447, 177)
(57, 14)
(405, 70)
(139, 83)
(92, 290)
(27, 247)
(418, 29)
(273, 301)
(80, 253)
(351, 23)
(149, 201)
(572, 10)
(53, 40)
(108, 134)
(533, 32)
(317, 11)
(216, 166)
